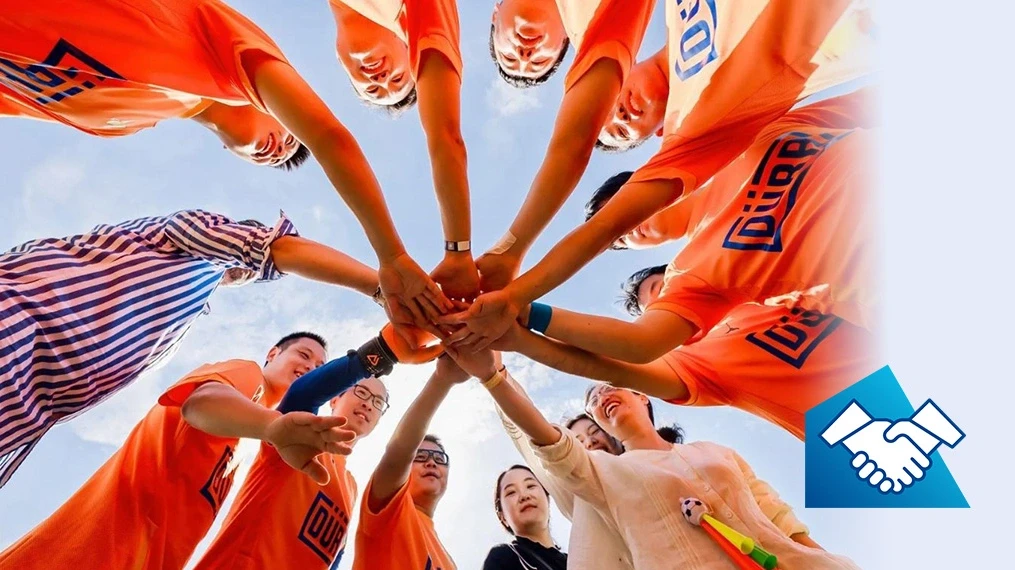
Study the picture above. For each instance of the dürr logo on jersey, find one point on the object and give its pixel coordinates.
(323, 529)
(769, 196)
(696, 46)
(220, 481)
(795, 336)
(67, 71)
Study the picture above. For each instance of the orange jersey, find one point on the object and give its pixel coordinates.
(693, 211)
(421, 24)
(111, 69)
(399, 537)
(735, 67)
(281, 518)
(799, 225)
(598, 29)
(774, 362)
(154, 500)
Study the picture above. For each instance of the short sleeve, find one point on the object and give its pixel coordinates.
(616, 32)
(238, 46)
(433, 24)
(243, 375)
(385, 520)
(221, 241)
(693, 299)
(697, 376)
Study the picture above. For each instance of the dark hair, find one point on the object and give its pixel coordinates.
(286, 341)
(569, 424)
(301, 155)
(613, 149)
(526, 82)
(672, 433)
(396, 109)
(496, 495)
(605, 192)
(630, 288)
(434, 440)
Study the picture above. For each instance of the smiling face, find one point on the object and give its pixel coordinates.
(429, 479)
(362, 406)
(620, 412)
(640, 107)
(248, 133)
(528, 37)
(376, 60)
(594, 438)
(285, 365)
(524, 504)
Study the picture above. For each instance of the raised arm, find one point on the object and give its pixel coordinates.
(582, 114)
(439, 90)
(777, 510)
(393, 470)
(316, 261)
(305, 115)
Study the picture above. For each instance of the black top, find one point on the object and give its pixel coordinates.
(524, 554)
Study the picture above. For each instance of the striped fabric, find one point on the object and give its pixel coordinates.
(84, 316)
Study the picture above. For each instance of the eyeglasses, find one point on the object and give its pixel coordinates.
(364, 393)
(424, 455)
(597, 393)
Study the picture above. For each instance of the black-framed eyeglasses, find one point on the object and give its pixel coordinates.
(364, 393)
(424, 455)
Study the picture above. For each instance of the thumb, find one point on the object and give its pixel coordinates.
(325, 423)
(316, 471)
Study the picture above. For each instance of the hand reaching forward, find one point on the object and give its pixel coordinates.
(299, 437)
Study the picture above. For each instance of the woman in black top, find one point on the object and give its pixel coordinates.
(523, 507)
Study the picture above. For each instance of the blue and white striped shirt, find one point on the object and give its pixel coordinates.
(84, 316)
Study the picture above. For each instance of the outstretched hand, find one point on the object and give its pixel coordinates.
(486, 321)
(497, 270)
(299, 437)
(457, 276)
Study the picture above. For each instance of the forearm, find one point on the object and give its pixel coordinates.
(583, 111)
(439, 89)
(630, 207)
(317, 387)
(316, 261)
(220, 410)
(805, 539)
(638, 342)
(524, 414)
(414, 425)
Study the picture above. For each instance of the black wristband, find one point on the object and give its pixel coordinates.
(376, 357)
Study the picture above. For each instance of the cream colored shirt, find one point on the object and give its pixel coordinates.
(639, 493)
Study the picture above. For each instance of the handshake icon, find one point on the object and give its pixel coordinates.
(892, 455)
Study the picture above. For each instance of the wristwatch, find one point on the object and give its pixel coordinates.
(458, 245)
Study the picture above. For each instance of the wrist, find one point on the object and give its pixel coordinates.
(263, 431)
(458, 246)
(539, 317)
(387, 256)
(523, 315)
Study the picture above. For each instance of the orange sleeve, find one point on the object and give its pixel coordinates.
(243, 375)
(691, 298)
(237, 45)
(616, 32)
(696, 375)
(433, 24)
(388, 519)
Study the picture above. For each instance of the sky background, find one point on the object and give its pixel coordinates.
(944, 158)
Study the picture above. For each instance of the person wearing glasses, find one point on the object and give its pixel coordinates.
(396, 528)
(624, 490)
(308, 522)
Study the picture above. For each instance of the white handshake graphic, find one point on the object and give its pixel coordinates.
(892, 455)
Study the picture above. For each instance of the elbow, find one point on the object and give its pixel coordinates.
(446, 140)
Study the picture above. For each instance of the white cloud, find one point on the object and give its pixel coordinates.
(505, 100)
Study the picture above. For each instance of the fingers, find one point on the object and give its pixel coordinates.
(458, 318)
(867, 470)
(458, 336)
(483, 344)
(434, 294)
(327, 422)
(336, 435)
(429, 308)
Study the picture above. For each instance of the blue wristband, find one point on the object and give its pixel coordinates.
(539, 317)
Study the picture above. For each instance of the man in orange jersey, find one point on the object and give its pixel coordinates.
(770, 361)
(395, 51)
(735, 66)
(847, 52)
(694, 211)
(281, 519)
(798, 227)
(607, 35)
(396, 529)
(112, 71)
(154, 500)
